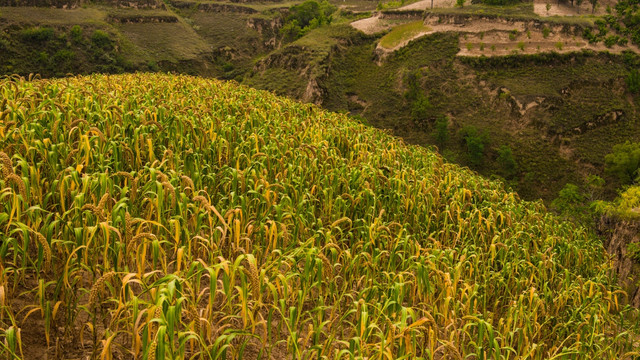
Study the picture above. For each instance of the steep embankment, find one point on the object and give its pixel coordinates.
(169, 217)
(301, 68)
(618, 234)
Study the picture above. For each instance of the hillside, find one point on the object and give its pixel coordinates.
(512, 91)
(158, 216)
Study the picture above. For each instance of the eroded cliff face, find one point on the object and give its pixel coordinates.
(618, 234)
(269, 30)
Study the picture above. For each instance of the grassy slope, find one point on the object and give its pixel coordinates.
(134, 46)
(548, 149)
(402, 33)
(272, 227)
(289, 68)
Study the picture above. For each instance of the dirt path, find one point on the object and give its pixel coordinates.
(372, 25)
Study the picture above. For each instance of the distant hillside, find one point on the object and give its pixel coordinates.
(503, 90)
(155, 216)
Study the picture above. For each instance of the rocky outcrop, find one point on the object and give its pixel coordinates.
(618, 234)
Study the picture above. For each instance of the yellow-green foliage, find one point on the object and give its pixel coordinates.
(627, 205)
(175, 216)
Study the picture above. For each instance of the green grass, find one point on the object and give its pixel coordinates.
(46, 16)
(170, 42)
(284, 82)
(403, 33)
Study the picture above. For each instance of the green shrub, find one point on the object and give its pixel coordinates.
(624, 161)
(43, 58)
(475, 142)
(153, 66)
(227, 66)
(611, 40)
(37, 34)
(633, 81)
(442, 130)
(570, 199)
(633, 251)
(101, 40)
(63, 56)
(291, 30)
(76, 33)
(545, 32)
(420, 107)
(506, 160)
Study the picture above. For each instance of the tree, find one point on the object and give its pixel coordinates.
(460, 3)
(595, 186)
(633, 81)
(506, 160)
(594, 3)
(476, 142)
(624, 161)
(570, 203)
(442, 130)
(306, 16)
(420, 107)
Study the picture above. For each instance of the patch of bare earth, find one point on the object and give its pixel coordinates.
(372, 25)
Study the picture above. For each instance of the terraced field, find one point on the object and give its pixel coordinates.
(157, 216)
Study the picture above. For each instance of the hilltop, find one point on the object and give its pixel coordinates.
(160, 216)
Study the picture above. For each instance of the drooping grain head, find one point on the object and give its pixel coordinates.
(7, 166)
(45, 249)
(98, 286)
(17, 180)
